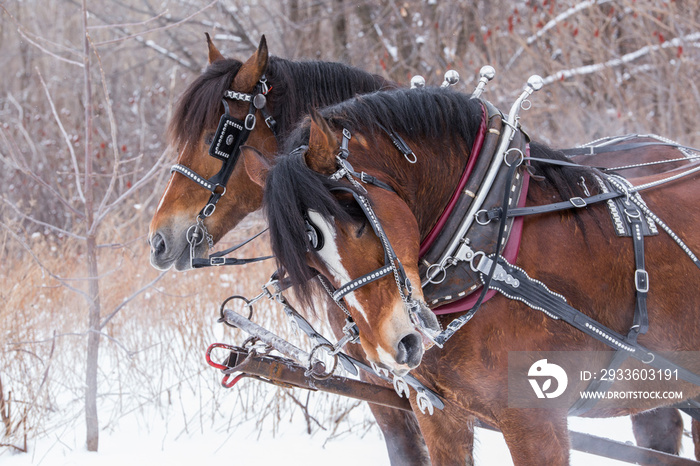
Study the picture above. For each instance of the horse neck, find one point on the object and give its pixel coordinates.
(313, 85)
(427, 185)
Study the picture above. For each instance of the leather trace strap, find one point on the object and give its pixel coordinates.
(521, 287)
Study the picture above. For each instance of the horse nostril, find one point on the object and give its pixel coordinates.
(158, 245)
(410, 350)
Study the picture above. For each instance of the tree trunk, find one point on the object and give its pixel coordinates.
(93, 347)
(91, 423)
(340, 34)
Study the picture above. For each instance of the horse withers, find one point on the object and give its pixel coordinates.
(574, 253)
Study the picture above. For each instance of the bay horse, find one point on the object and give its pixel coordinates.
(294, 88)
(575, 253)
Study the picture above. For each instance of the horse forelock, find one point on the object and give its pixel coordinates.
(199, 106)
(292, 190)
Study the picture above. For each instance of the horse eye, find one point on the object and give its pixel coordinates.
(208, 138)
(360, 231)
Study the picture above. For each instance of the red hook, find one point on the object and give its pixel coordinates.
(225, 381)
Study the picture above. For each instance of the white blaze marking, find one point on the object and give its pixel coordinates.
(330, 256)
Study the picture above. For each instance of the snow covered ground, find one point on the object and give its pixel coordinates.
(161, 404)
(147, 438)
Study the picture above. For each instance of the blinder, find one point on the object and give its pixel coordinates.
(226, 144)
(230, 135)
(314, 235)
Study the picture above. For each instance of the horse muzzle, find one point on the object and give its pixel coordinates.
(167, 251)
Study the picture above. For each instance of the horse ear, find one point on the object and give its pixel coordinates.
(252, 70)
(214, 54)
(323, 146)
(256, 165)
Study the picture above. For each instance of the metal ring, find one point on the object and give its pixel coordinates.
(247, 304)
(433, 280)
(651, 360)
(250, 121)
(312, 367)
(518, 160)
(476, 217)
(472, 263)
(208, 210)
(526, 104)
(192, 235)
(415, 158)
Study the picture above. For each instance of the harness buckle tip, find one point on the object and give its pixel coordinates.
(217, 260)
(641, 281)
(578, 202)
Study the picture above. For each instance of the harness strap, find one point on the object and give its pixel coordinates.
(640, 321)
(525, 289)
(183, 170)
(363, 280)
(347, 169)
(577, 202)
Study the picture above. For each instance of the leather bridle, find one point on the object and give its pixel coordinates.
(392, 264)
(226, 144)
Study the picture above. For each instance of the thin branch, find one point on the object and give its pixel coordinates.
(125, 25)
(45, 340)
(162, 28)
(20, 125)
(27, 171)
(61, 280)
(39, 222)
(44, 378)
(73, 156)
(627, 58)
(35, 44)
(112, 130)
(553, 23)
(115, 341)
(134, 187)
(109, 317)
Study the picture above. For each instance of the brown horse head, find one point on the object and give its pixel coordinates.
(190, 132)
(300, 195)
(292, 90)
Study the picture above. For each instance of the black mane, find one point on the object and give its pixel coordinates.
(291, 190)
(297, 87)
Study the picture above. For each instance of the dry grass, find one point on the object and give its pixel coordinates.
(152, 352)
